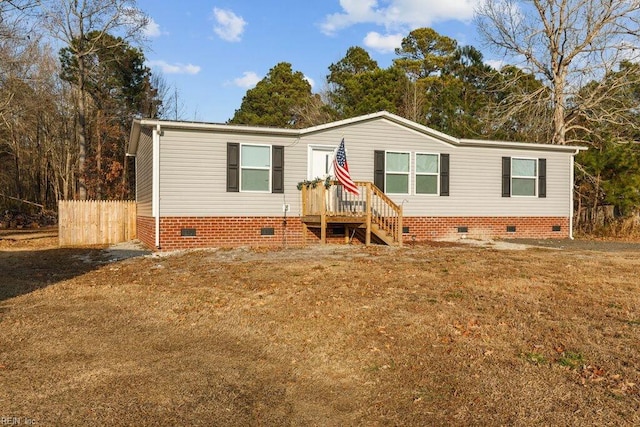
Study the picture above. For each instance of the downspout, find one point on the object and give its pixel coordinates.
(571, 190)
(156, 183)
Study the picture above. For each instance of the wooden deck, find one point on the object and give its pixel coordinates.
(337, 219)
(371, 211)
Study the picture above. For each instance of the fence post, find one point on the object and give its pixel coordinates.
(305, 208)
(399, 235)
(367, 239)
(323, 216)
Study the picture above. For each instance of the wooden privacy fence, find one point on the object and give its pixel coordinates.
(96, 222)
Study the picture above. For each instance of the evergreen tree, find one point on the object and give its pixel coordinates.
(449, 82)
(274, 100)
(358, 86)
(119, 89)
(425, 53)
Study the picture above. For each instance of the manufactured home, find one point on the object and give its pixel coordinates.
(217, 185)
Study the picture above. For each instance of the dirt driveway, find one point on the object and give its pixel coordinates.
(433, 334)
(582, 244)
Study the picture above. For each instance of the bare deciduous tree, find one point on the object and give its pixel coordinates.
(413, 100)
(171, 106)
(312, 111)
(568, 44)
(32, 138)
(15, 45)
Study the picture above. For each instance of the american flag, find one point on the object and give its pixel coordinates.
(341, 169)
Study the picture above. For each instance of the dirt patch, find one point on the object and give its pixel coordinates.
(438, 334)
(27, 239)
(582, 244)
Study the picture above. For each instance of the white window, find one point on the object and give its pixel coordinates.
(427, 173)
(397, 173)
(524, 176)
(255, 168)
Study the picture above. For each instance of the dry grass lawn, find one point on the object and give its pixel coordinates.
(321, 336)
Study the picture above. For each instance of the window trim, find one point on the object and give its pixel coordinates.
(408, 173)
(534, 178)
(436, 174)
(269, 169)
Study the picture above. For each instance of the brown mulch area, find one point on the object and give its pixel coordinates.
(430, 334)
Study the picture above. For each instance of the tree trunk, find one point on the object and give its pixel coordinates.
(124, 192)
(16, 157)
(559, 119)
(99, 178)
(82, 131)
(56, 185)
(68, 174)
(413, 102)
(579, 222)
(594, 207)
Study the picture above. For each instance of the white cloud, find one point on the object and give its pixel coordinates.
(229, 26)
(495, 63)
(398, 14)
(248, 80)
(152, 29)
(176, 68)
(310, 80)
(134, 18)
(383, 43)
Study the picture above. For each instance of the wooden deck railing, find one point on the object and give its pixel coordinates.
(371, 206)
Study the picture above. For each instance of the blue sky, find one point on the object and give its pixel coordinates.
(212, 52)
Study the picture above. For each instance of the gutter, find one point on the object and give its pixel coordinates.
(157, 132)
(297, 133)
(218, 127)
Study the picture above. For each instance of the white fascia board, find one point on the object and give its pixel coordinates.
(220, 127)
(167, 124)
(134, 138)
(522, 145)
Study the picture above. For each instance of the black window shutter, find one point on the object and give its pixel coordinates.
(506, 177)
(444, 174)
(233, 167)
(542, 177)
(277, 171)
(378, 169)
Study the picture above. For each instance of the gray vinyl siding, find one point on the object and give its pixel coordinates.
(144, 173)
(475, 173)
(193, 176)
(193, 173)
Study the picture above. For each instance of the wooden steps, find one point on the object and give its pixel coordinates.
(372, 215)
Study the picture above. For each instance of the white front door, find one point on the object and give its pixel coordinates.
(320, 162)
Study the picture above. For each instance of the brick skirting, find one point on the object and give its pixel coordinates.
(146, 230)
(206, 232)
(424, 228)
